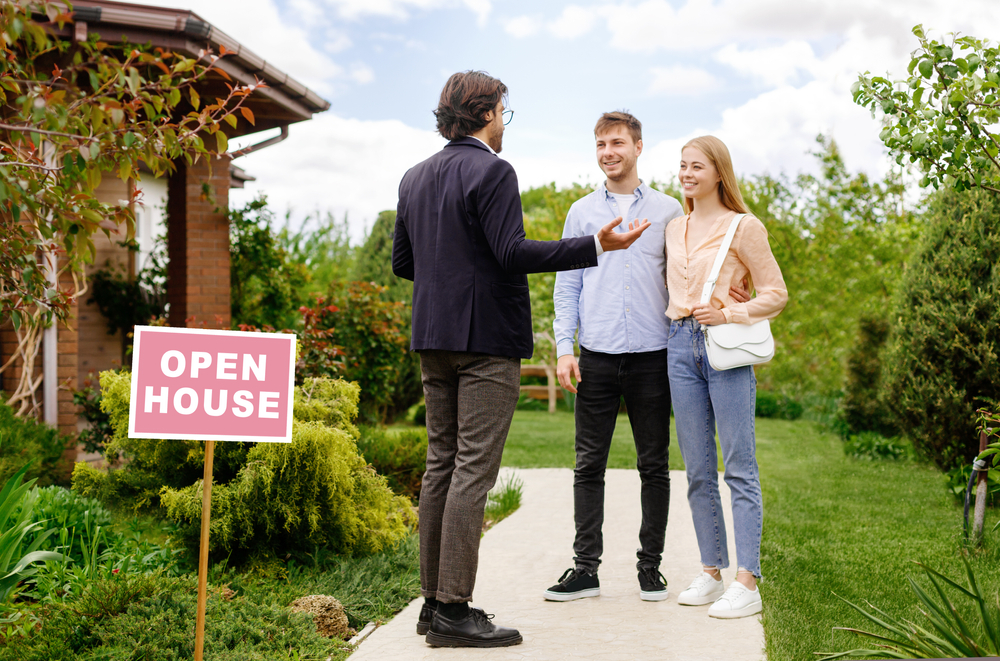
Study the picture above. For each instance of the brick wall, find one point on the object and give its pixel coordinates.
(198, 245)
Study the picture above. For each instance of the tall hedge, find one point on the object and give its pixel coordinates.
(941, 360)
(862, 409)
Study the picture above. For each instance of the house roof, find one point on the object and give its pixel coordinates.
(283, 102)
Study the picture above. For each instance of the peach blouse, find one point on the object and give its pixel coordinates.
(749, 253)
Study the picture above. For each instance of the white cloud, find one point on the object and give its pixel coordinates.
(520, 27)
(401, 9)
(283, 44)
(680, 80)
(361, 73)
(774, 65)
(573, 22)
(336, 164)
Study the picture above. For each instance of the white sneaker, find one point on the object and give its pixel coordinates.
(738, 601)
(703, 590)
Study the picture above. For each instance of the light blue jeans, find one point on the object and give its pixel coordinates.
(703, 399)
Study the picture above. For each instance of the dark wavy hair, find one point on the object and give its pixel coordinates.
(619, 118)
(465, 100)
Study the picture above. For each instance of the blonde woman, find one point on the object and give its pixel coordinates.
(704, 398)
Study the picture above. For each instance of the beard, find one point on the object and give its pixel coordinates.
(624, 172)
(495, 139)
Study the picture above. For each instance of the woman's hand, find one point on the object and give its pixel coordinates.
(740, 293)
(707, 315)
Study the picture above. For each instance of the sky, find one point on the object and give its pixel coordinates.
(765, 76)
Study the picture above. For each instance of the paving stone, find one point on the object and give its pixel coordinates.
(526, 553)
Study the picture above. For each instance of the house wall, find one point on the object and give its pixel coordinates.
(198, 244)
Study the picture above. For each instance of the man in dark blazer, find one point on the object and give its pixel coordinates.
(459, 236)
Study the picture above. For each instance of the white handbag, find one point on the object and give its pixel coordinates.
(734, 345)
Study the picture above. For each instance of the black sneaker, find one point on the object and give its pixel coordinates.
(472, 630)
(424, 621)
(574, 584)
(652, 585)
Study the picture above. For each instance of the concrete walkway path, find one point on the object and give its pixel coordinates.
(527, 552)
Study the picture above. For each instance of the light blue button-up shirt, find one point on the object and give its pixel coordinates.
(618, 306)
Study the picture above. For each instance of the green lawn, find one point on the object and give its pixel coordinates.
(831, 525)
(539, 439)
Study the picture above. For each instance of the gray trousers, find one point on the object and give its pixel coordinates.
(470, 401)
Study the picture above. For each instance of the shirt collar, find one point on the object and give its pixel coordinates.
(484, 142)
(639, 192)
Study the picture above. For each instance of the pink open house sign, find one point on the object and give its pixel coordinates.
(212, 385)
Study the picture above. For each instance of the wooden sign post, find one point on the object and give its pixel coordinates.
(210, 385)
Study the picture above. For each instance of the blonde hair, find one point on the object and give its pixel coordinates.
(729, 188)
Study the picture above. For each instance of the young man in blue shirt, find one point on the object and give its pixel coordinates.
(619, 309)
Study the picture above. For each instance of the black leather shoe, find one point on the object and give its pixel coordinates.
(424, 621)
(474, 630)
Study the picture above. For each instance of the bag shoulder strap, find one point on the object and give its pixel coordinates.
(706, 292)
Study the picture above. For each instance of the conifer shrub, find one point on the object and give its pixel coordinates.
(861, 409)
(316, 490)
(942, 358)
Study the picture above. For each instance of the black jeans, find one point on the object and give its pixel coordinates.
(641, 378)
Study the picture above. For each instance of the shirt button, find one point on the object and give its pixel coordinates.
(626, 286)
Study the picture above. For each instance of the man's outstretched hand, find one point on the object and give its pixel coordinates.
(612, 240)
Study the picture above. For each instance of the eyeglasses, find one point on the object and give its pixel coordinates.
(507, 116)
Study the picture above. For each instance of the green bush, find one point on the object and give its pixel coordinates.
(374, 261)
(374, 336)
(942, 358)
(861, 409)
(772, 405)
(873, 446)
(25, 440)
(316, 490)
(398, 454)
(266, 285)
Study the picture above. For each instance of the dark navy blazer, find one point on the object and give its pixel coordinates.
(460, 238)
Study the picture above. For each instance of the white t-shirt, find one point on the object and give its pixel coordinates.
(624, 203)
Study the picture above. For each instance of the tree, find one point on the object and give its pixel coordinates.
(71, 113)
(841, 240)
(373, 261)
(942, 360)
(265, 285)
(944, 115)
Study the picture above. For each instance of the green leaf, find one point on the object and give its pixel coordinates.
(195, 99)
(223, 142)
(129, 139)
(926, 68)
(918, 31)
(918, 142)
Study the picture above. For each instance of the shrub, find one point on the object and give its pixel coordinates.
(942, 358)
(276, 496)
(374, 261)
(772, 405)
(873, 446)
(374, 335)
(399, 455)
(861, 409)
(24, 441)
(95, 437)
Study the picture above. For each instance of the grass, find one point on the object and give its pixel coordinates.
(503, 500)
(833, 525)
(539, 439)
(836, 525)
